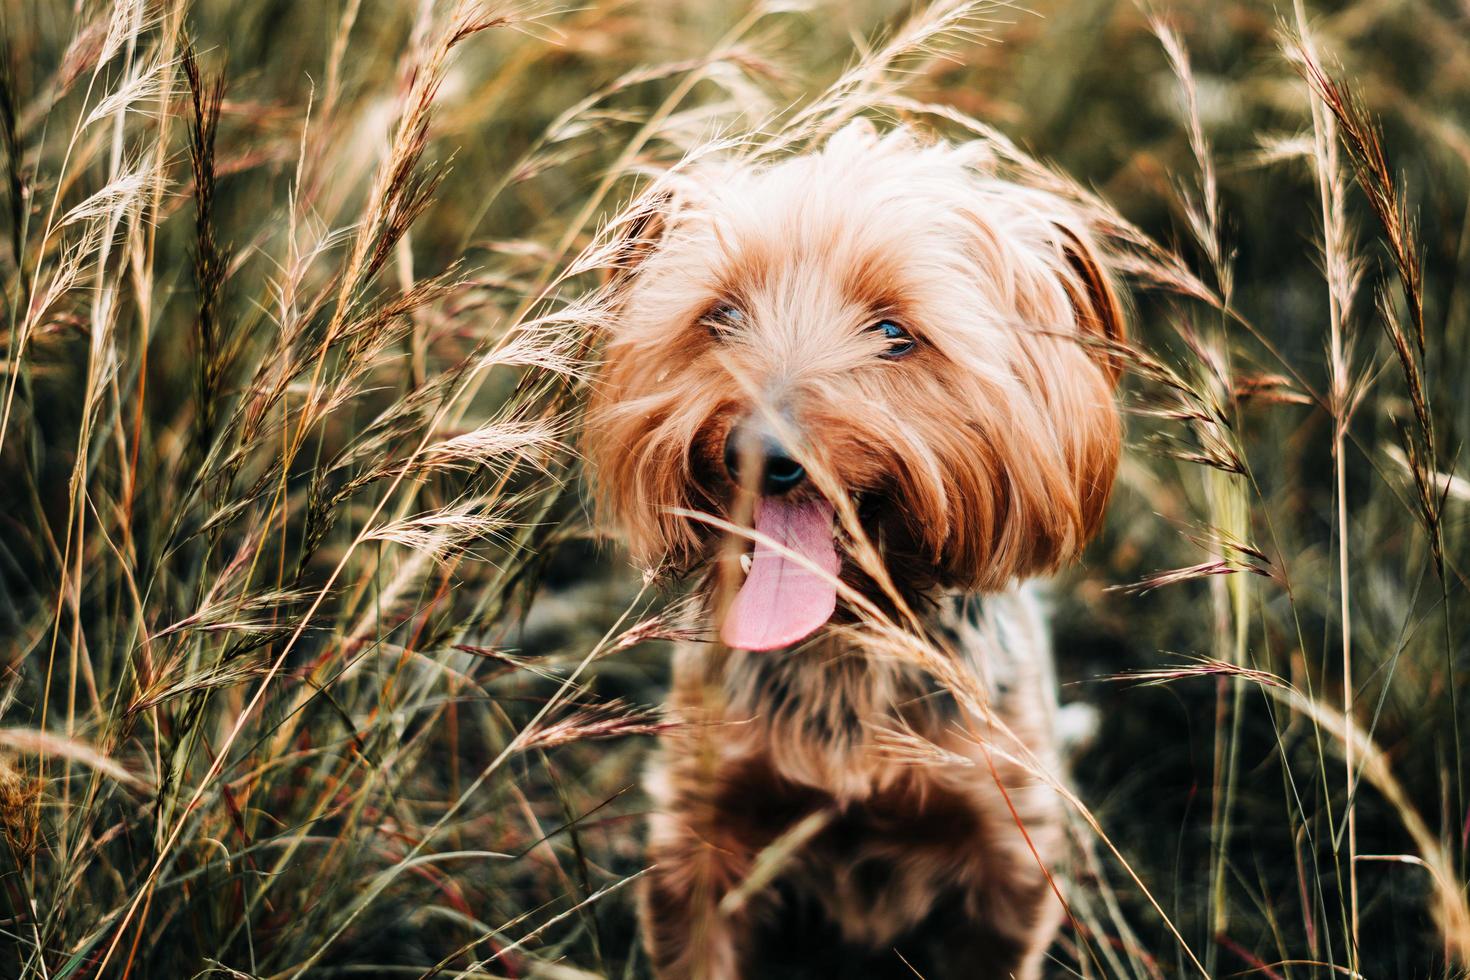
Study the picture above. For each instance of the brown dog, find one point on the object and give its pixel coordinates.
(892, 365)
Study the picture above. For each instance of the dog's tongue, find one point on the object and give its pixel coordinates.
(782, 601)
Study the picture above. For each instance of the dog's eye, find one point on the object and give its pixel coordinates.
(723, 318)
(899, 340)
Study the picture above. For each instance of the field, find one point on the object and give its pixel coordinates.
(314, 660)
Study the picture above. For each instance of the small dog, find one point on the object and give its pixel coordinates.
(884, 349)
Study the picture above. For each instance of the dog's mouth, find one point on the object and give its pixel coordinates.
(791, 593)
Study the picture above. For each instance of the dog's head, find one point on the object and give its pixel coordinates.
(879, 319)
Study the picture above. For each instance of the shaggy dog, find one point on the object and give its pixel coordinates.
(890, 373)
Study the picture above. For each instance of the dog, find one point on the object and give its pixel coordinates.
(873, 382)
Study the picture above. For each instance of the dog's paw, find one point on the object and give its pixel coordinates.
(1077, 725)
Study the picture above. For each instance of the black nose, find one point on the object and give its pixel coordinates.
(750, 443)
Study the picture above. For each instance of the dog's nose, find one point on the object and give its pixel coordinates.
(779, 472)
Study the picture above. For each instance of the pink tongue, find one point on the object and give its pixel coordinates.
(782, 601)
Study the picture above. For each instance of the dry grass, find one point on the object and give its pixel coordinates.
(311, 663)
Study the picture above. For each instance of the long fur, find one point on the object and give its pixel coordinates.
(984, 457)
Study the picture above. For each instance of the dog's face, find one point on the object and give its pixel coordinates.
(877, 319)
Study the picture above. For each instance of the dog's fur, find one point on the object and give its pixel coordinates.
(983, 457)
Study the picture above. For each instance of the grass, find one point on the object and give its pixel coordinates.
(313, 663)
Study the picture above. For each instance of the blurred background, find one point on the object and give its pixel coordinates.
(311, 660)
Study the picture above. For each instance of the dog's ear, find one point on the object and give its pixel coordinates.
(631, 494)
(1099, 311)
(1101, 322)
(636, 234)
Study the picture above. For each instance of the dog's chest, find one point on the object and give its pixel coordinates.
(836, 717)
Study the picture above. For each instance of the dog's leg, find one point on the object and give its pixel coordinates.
(700, 850)
(966, 951)
(713, 815)
(1009, 917)
(688, 936)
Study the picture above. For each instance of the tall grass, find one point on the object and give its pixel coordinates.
(313, 663)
